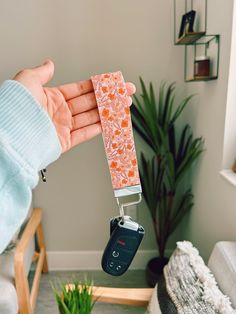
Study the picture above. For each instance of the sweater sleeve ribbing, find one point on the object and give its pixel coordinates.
(28, 143)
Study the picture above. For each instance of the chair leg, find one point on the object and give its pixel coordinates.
(27, 298)
(41, 243)
(22, 288)
(128, 296)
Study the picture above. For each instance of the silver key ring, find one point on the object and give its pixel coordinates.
(121, 206)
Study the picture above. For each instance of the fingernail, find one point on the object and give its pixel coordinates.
(46, 61)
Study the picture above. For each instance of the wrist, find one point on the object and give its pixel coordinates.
(26, 126)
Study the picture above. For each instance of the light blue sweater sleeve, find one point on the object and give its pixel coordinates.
(28, 143)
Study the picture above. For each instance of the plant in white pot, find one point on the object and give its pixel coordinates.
(173, 151)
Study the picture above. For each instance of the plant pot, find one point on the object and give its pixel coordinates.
(154, 270)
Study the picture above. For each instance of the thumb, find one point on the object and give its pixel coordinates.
(45, 71)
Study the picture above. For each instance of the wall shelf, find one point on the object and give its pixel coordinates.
(201, 50)
(184, 32)
(189, 38)
(208, 46)
(199, 79)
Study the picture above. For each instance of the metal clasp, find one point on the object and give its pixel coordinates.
(42, 172)
(121, 206)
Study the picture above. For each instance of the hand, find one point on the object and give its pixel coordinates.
(72, 107)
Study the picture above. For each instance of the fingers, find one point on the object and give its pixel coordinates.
(82, 103)
(73, 90)
(85, 134)
(131, 89)
(85, 103)
(130, 101)
(70, 91)
(45, 71)
(84, 119)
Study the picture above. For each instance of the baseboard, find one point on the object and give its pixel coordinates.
(91, 260)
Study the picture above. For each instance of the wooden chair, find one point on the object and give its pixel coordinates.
(128, 296)
(27, 298)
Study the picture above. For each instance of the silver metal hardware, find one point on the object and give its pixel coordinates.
(42, 172)
(129, 190)
(121, 206)
(128, 223)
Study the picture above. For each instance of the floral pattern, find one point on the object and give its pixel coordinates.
(114, 111)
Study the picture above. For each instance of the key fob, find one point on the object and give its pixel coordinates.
(113, 223)
(122, 246)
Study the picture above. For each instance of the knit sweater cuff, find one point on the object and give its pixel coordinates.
(26, 126)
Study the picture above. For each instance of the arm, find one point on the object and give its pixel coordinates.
(37, 123)
(28, 143)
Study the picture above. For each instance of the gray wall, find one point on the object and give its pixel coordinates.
(88, 37)
(85, 38)
(213, 217)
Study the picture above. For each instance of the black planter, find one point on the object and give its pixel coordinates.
(154, 270)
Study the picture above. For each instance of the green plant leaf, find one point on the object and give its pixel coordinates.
(149, 109)
(183, 144)
(193, 152)
(167, 106)
(184, 206)
(140, 125)
(172, 141)
(175, 151)
(180, 108)
(160, 104)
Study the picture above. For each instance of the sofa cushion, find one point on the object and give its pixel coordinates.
(191, 285)
(8, 297)
(188, 286)
(7, 261)
(15, 239)
(153, 306)
(222, 263)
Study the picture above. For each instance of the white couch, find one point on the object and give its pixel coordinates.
(15, 295)
(8, 295)
(222, 263)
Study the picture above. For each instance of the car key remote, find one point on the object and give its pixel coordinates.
(122, 246)
(113, 108)
(113, 223)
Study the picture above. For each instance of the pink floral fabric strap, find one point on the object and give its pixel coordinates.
(114, 111)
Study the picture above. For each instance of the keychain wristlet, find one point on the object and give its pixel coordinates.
(113, 105)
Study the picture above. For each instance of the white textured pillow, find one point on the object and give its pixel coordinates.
(191, 285)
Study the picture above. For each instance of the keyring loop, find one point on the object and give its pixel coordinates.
(121, 206)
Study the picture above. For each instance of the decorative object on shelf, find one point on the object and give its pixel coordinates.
(163, 168)
(202, 59)
(187, 23)
(188, 14)
(202, 66)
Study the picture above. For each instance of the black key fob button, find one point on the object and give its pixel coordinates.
(115, 254)
(122, 246)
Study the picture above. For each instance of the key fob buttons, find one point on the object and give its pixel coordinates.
(122, 246)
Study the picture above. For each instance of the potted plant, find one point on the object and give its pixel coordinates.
(74, 297)
(164, 167)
